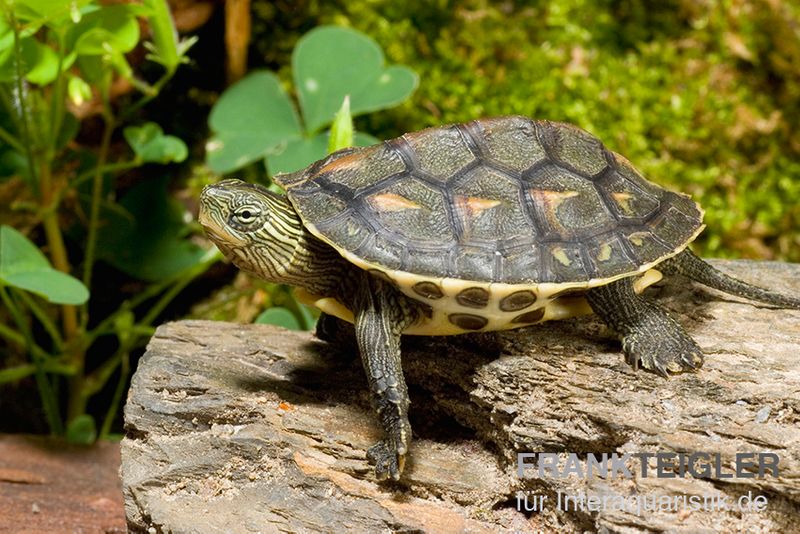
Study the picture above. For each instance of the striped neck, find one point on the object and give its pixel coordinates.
(262, 234)
(283, 251)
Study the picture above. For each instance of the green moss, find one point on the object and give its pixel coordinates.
(702, 97)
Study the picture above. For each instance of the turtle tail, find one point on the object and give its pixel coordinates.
(689, 265)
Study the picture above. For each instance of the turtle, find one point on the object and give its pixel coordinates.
(493, 224)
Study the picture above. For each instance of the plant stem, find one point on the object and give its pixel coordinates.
(97, 191)
(14, 374)
(11, 140)
(49, 402)
(40, 314)
(21, 104)
(112, 167)
(108, 420)
(76, 404)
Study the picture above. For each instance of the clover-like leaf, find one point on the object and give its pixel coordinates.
(39, 62)
(152, 146)
(105, 30)
(301, 153)
(279, 317)
(22, 265)
(331, 62)
(252, 117)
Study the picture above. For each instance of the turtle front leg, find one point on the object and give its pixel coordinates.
(649, 334)
(380, 318)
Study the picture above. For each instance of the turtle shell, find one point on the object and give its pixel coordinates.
(509, 201)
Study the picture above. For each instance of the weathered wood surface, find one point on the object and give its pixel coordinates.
(234, 428)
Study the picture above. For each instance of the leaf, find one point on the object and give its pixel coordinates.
(341, 134)
(39, 63)
(78, 90)
(330, 62)
(165, 37)
(110, 29)
(297, 154)
(152, 146)
(22, 265)
(279, 317)
(301, 153)
(251, 117)
(82, 430)
(54, 13)
(150, 244)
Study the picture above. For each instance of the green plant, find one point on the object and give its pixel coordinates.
(55, 54)
(337, 73)
(256, 119)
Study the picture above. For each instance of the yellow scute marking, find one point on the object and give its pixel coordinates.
(605, 253)
(474, 206)
(392, 202)
(623, 199)
(561, 256)
(554, 198)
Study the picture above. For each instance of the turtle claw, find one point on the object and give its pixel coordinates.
(388, 460)
(665, 356)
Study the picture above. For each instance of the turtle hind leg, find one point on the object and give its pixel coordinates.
(689, 265)
(649, 334)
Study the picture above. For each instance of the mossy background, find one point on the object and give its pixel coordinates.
(702, 96)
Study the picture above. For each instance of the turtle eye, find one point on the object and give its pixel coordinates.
(246, 214)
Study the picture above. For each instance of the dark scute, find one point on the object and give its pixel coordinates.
(382, 250)
(467, 321)
(474, 264)
(521, 263)
(348, 232)
(608, 256)
(644, 247)
(627, 199)
(518, 300)
(511, 142)
(564, 263)
(473, 297)
(440, 152)
(502, 221)
(674, 228)
(428, 262)
(567, 204)
(364, 168)
(574, 147)
(529, 317)
(319, 206)
(427, 223)
(429, 290)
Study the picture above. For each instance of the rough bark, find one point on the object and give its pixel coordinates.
(252, 428)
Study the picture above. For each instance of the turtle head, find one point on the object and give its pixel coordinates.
(255, 228)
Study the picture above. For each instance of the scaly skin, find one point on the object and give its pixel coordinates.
(649, 334)
(381, 315)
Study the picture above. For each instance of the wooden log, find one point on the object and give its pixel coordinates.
(251, 428)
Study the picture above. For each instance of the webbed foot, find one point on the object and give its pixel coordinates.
(649, 335)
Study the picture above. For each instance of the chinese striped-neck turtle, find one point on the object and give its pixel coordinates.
(494, 224)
